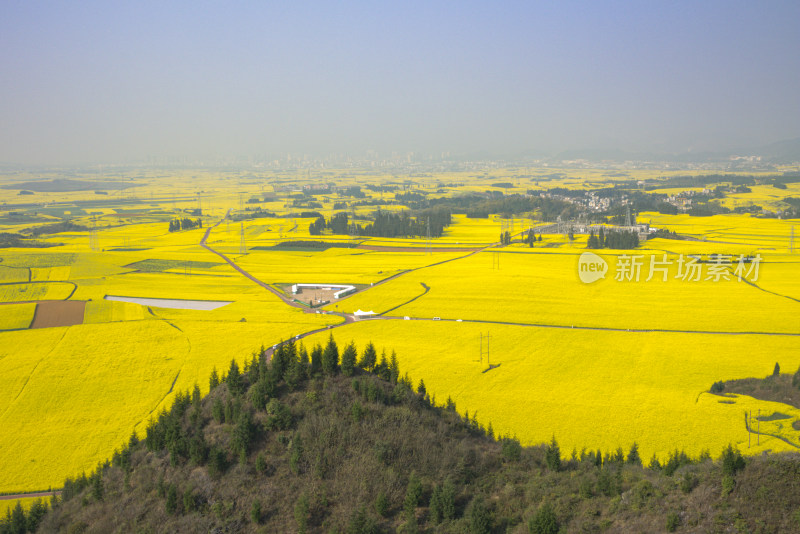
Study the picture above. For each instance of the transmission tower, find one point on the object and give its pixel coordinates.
(93, 241)
(199, 204)
(791, 240)
(428, 238)
(353, 226)
(242, 246)
(628, 217)
(482, 351)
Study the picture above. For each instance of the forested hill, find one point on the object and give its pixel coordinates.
(322, 443)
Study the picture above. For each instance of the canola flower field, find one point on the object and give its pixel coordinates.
(597, 365)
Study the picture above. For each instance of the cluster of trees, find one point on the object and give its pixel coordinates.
(17, 521)
(403, 224)
(388, 224)
(56, 228)
(613, 239)
(184, 223)
(353, 191)
(9, 240)
(531, 238)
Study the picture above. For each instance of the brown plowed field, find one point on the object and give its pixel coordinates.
(58, 313)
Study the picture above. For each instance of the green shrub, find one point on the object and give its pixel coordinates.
(544, 522)
(672, 522)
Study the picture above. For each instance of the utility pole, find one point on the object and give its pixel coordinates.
(487, 349)
(242, 247)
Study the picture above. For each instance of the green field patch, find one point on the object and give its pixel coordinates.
(16, 316)
(14, 274)
(127, 249)
(31, 291)
(63, 211)
(56, 259)
(777, 416)
(304, 246)
(159, 266)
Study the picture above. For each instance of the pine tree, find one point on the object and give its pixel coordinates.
(553, 455)
(330, 357)
(394, 368)
(234, 379)
(777, 370)
(316, 360)
(349, 359)
(214, 380)
(368, 358)
(303, 360)
(633, 455)
(18, 523)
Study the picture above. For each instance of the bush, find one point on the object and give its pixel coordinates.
(480, 518)
(544, 522)
(732, 461)
(255, 512)
(718, 387)
(512, 449)
(728, 483)
(443, 502)
(301, 513)
(172, 499)
(689, 482)
(382, 504)
(413, 493)
(361, 522)
(280, 418)
(553, 455)
(672, 522)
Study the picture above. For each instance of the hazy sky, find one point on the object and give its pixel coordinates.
(98, 81)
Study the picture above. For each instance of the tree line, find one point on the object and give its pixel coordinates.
(388, 224)
(613, 239)
(184, 223)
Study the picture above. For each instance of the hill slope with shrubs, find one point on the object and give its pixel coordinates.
(323, 442)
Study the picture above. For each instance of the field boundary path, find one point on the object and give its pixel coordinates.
(33, 495)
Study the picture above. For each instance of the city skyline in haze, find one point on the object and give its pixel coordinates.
(101, 82)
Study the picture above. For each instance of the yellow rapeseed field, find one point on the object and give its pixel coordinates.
(589, 388)
(15, 316)
(73, 394)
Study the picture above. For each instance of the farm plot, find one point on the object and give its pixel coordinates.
(60, 373)
(24, 292)
(16, 316)
(545, 289)
(58, 313)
